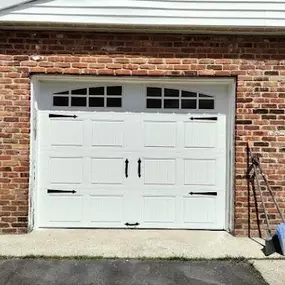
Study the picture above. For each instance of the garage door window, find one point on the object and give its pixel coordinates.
(158, 98)
(103, 96)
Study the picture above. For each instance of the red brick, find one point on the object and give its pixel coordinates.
(122, 72)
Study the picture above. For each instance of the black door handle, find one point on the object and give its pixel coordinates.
(126, 168)
(132, 225)
(139, 167)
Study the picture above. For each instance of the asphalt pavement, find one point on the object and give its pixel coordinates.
(127, 272)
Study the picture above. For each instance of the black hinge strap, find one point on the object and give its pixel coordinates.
(52, 191)
(204, 193)
(204, 118)
(132, 225)
(61, 116)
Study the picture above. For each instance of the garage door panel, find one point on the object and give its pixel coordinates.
(159, 209)
(66, 133)
(107, 133)
(160, 134)
(159, 171)
(107, 170)
(96, 152)
(100, 209)
(199, 210)
(197, 154)
(200, 134)
(66, 170)
(200, 172)
(63, 208)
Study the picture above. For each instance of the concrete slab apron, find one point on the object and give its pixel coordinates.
(131, 244)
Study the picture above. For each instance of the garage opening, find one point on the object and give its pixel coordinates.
(149, 154)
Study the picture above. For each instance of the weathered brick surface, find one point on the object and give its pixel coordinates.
(257, 62)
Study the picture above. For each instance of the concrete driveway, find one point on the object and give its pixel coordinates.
(127, 272)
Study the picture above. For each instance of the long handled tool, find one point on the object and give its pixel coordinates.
(273, 242)
(280, 230)
(268, 187)
(269, 244)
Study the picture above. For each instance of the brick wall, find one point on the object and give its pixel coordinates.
(258, 63)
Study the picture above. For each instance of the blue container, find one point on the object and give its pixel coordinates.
(280, 231)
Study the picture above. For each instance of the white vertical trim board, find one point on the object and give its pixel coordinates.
(33, 160)
(231, 160)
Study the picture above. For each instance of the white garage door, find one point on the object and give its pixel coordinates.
(148, 156)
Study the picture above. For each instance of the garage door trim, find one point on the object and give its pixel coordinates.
(35, 87)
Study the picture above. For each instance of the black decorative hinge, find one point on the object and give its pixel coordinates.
(139, 168)
(52, 191)
(132, 225)
(126, 168)
(204, 118)
(204, 193)
(61, 116)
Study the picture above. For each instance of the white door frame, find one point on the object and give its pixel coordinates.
(225, 81)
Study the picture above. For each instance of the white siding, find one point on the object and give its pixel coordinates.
(4, 4)
(238, 13)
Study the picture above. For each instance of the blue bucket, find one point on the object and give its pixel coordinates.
(280, 231)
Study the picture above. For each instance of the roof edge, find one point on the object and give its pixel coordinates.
(143, 28)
